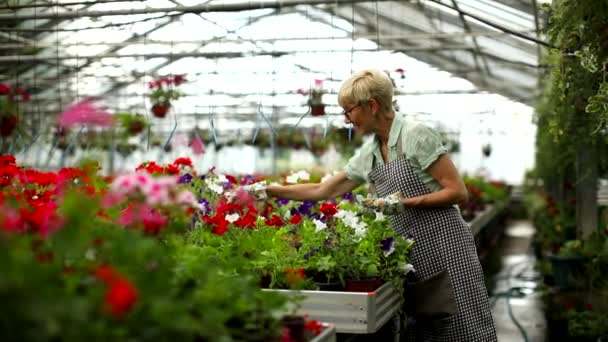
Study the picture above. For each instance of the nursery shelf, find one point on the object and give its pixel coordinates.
(350, 312)
(327, 335)
(484, 217)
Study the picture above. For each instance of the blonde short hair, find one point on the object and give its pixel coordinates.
(365, 84)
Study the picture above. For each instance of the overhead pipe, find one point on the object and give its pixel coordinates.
(276, 53)
(409, 36)
(64, 4)
(231, 7)
(496, 26)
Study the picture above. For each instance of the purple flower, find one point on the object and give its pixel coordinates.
(316, 216)
(304, 208)
(205, 204)
(328, 243)
(297, 245)
(387, 246)
(310, 253)
(248, 179)
(282, 202)
(348, 196)
(185, 178)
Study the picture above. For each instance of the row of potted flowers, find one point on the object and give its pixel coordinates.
(163, 253)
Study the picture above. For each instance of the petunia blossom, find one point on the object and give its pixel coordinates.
(319, 225)
(85, 112)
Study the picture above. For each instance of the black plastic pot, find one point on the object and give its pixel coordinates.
(566, 269)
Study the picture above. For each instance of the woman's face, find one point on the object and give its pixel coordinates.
(359, 115)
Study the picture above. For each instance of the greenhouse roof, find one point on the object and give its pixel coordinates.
(250, 57)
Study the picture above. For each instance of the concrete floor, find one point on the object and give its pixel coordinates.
(516, 305)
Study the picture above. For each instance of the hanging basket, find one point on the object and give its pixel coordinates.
(161, 109)
(317, 110)
(8, 123)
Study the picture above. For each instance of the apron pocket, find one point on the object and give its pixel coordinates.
(432, 297)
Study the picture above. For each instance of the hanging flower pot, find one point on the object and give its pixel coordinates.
(486, 150)
(164, 90)
(8, 123)
(11, 99)
(317, 110)
(161, 109)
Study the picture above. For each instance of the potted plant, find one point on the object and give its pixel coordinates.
(10, 111)
(315, 98)
(132, 124)
(164, 91)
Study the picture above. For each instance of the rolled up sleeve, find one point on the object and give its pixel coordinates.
(427, 145)
(357, 169)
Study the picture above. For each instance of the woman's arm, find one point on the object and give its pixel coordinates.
(453, 189)
(334, 186)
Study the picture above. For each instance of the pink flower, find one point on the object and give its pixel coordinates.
(186, 197)
(197, 146)
(85, 112)
(153, 221)
(156, 193)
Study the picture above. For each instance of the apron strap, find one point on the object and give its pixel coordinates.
(372, 186)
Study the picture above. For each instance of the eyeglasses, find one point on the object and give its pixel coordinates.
(347, 112)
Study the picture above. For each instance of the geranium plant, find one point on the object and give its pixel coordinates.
(11, 99)
(315, 98)
(164, 91)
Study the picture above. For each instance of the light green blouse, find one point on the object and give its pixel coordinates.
(421, 145)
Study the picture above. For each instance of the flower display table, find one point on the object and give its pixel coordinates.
(484, 217)
(350, 312)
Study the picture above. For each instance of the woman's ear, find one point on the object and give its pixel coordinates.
(373, 106)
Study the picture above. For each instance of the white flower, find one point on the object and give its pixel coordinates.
(292, 179)
(319, 225)
(214, 186)
(379, 216)
(305, 176)
(328, 176)
(222, 179)
(295, 177)
(407, 268)
(232, 217)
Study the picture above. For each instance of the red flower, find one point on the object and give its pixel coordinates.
(121, 297)
(314, 326)
(232, 179)
(228, 208)
(274, 221)
(172, 169)
(106, 274)
(267, 210)
(183, 161)
(221, 227)
(588, 306)
(295, 219)
(247, 221)
(295, 275)
(4, 89)
(6, 159)
(328, 209)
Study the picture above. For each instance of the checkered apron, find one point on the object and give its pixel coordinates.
(443, 240)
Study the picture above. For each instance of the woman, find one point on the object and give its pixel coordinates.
(450, 299)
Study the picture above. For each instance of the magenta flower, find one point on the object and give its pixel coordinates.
(85, 112)
(197, 146)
